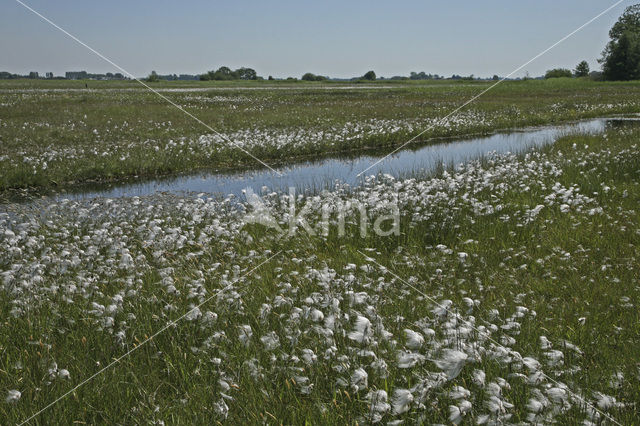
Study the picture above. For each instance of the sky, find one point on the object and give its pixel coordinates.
(288, 38)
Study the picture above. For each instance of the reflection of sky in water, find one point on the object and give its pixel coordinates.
(320, 174)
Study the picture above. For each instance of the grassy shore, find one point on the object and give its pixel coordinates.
(510, 293)
(57, 133)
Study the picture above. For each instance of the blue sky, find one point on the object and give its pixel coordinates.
(287, 38)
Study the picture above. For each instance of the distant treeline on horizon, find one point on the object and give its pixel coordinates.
(225, 74)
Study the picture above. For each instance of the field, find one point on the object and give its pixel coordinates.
(54, 134)
(507, 292)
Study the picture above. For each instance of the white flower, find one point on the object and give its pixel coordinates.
(479, 377)
(193, 314)
(270, 341)
(362, 330)
(535, 406)
(544, 342)
(452, 362)
(308, 356)
(458, 392)
(531, 363)
(359, 379)
(409, 359)
(402, 399)
(244, 334)
(378, 405)
(316, 315)
(415, 340)
(455, 415)
(13, 396)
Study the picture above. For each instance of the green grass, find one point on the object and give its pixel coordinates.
(55, 138)
(577, 265)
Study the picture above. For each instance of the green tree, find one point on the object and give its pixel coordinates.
(370, 75)
(153, 77)
(558, 73)
(312, 77)
(246, 74)
(621, 57)
(582, 69)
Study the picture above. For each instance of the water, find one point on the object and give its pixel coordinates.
(314, 175)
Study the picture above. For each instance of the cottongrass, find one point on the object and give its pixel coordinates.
(345, 333)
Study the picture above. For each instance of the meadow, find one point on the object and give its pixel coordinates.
(508, 295)
(55, 134)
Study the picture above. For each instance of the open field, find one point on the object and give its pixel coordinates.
(56, 133)
(510, 293)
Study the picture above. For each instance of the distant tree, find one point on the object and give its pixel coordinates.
(223, 73)
(370, 75)
(596, 76)
(496, 77)
(33, 74)
(558, 73)
(246, 73)
(270, 78)
(582, 69)
(153, 77)
(621, 57)
(312, 77)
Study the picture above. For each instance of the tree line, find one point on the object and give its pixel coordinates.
(621, 57)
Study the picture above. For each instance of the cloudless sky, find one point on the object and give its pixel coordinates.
(288, 38)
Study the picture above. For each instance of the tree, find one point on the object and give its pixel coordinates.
(370, 75)
(312, 77)
(558, 73)
(582, 69)
(153, 77)
(246, 74)
(621, 57)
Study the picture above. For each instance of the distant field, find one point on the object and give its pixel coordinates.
(54, 133)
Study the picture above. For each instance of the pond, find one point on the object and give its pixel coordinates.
(323, 173)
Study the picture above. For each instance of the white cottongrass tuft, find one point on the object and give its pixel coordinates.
(359, 380)
(244, 334)
(452, 362)
(64, 374)
(378, 405)
(409, 359)
(415, 340)
(362, 330)
(270, 341)
(402, 399)
(479, 377)
(13, 396)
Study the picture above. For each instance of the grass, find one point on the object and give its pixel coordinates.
(567, 271)
(55, 134)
